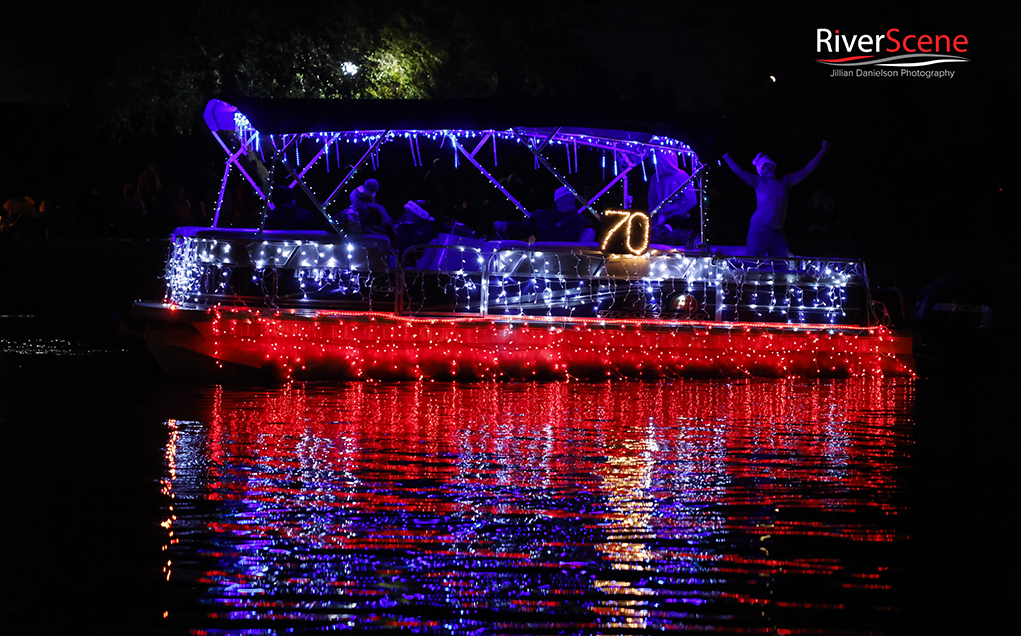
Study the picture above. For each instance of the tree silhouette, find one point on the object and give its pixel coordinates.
(144, 73)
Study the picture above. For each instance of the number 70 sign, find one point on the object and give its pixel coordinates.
(625, 232)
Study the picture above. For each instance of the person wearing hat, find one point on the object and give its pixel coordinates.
(415, 227)
(765, 232)
(563, 223)
(364, 215)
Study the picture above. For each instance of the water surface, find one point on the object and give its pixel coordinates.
(735, 506)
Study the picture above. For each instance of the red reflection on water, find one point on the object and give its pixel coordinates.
(620, 504)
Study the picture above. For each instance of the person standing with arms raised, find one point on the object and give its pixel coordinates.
(765, 232)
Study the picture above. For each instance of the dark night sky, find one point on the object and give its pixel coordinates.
(920, 167)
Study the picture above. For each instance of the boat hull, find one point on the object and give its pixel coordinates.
(333, 345)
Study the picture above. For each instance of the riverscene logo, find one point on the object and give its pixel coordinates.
(890, 54)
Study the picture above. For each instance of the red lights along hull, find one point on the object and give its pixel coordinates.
(327, 345)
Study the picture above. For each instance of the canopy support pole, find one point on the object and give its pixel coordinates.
(319, 206)
(553, 171)
(478, 166)
(313, 160)
(620, 175)
(701, 199)
(234, 158)
(478, 147)
(368, 153)
(223, 189)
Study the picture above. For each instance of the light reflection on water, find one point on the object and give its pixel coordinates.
(50, 347)
(754, 506)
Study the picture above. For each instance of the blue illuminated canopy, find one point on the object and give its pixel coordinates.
(252, 129)
(620, 121)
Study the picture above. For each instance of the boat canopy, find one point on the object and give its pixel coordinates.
(257, 134)
(641, 124)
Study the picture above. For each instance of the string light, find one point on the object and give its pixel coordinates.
(384, 346)
(663, 302)
(643, 309)
(200, 270)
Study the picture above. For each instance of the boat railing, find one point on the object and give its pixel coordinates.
(565, 280)
(509, 279)
(444, 279)
(577, 280)
(295, 269)
(796, 289)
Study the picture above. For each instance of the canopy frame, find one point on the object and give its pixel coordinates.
(242, 142)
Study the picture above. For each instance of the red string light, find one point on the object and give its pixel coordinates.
(383, 346)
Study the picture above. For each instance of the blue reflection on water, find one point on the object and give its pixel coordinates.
(732, 506)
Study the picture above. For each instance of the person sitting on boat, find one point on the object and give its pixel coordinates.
(765, 232)
(415, 227)
(673, 224)
(563, 223)
(364, 215)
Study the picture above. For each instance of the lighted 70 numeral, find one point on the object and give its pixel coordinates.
(625, 223)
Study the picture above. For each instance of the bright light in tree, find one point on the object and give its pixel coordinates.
(349, 68)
